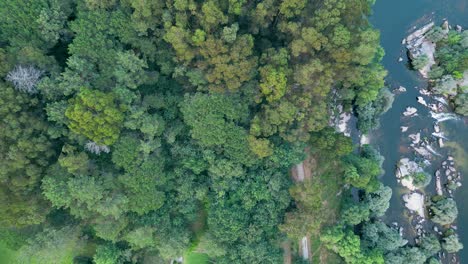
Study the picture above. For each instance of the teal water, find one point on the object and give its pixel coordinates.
(396, 19)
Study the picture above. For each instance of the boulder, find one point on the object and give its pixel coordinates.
(422, 101)
(415, 202)
(441, 142)
(410, 111)
(401, 89)
(418, 45)
(416, 138)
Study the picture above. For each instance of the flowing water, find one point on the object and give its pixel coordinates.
(396, 19)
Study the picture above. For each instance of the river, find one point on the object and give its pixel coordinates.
(396, 19)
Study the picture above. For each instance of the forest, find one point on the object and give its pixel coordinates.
(136, 131)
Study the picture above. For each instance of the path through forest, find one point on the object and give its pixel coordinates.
(300, 173)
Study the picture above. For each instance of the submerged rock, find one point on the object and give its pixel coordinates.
(441, 100)
(439, 135)
(423, 152)
(441, 117)
(433, 151)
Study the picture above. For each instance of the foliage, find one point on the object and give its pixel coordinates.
(444, 211)
(26, 151)
(420, 62)
(461, 104)
(369, 114)
(52, 245)
(355, 214)
(362, 172)
(379, 200)
(406, 255)
(377, 235)
(106, 255)
(429, 245)
(139, 114)
(307, 217)
(436, 34)
(95, 115)
(451, 243)
(347, 245)
(446, 86)
(328, 142)
(420, 179)
(451, 58)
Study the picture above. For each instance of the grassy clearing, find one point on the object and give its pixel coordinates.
(329, 176)
(196, 258)
(6, 255)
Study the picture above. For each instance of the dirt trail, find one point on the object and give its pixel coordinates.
(287, 259)
(300, 173)
(304, 248)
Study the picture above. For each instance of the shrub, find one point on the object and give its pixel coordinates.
(420, 179)
(420, 62)
(444, 211)
(451, 243)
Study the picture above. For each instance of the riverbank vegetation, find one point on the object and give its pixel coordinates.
(449, 76)
(122, 120)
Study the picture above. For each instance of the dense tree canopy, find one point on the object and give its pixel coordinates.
(142, 130)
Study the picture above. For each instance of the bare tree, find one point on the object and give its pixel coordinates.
(93, 147)
(24, 78)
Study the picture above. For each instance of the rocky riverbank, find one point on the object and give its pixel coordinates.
(426, 169)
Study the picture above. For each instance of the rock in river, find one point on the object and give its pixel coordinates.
(415, 202)
(410, 111)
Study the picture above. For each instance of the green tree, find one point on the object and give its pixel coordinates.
(52, 245)
(429, 245)
(26, 151)
(354, 214)
(107, 254)
(348, 245)
(420, 179)
(377, 235)
(273, 83)
(420, 62)
(444, 210)
(379, 200)
(362, 172)
(95, 115)
(436, 34)
(451, 243)
(461, 104)
(406, 255)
